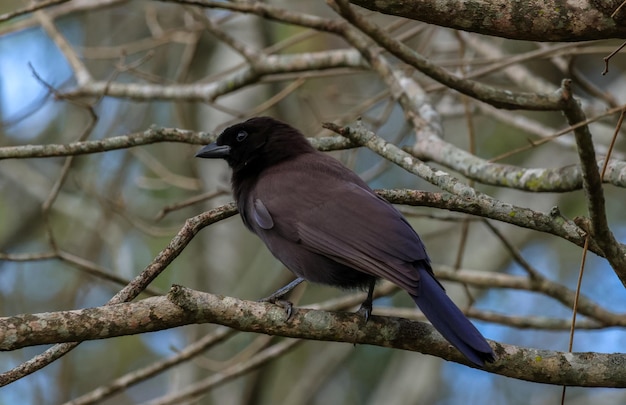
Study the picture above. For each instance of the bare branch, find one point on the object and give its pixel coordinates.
(592, 183)
(552, 20)
(118, 142)
(183, 306)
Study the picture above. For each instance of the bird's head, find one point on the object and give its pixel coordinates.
(256, 144)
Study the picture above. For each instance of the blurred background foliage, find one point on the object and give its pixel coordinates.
(106, 212)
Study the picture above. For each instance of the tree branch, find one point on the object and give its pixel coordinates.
(592, 184)
(184, 306)
(242, 77)
(537, 20)
(152, 135)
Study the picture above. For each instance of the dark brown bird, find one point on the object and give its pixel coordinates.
(327, 226)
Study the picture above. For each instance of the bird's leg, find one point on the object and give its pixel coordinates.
(281, 292)
(276, 297)
(366, 306)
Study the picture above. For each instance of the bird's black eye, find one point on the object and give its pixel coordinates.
(241, 136)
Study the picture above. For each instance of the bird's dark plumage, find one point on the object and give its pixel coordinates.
(327, 226)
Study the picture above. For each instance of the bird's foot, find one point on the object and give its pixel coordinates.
(365, 310)
(366, 307)
(277, 300)
(277, 297)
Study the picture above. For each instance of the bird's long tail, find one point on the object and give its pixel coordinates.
(448, 319)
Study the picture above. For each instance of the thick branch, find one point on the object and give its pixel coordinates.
(203, 344)
(537, 20)
(187, 306)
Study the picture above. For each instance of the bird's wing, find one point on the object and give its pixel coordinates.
(328, 210)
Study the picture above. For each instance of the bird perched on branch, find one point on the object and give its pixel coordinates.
(327, 226)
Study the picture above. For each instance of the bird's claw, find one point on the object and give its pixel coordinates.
(277, 297)
(365, 311)
(287, 306)
(277, 300)
(366, 307)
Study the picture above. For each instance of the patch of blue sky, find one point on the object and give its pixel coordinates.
(21, 93)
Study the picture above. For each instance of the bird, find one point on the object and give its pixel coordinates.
(327, 226)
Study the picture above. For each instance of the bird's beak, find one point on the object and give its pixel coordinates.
(213, 151)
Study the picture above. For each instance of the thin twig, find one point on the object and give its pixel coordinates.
(608, 58)
(30, 8)
(579, 283)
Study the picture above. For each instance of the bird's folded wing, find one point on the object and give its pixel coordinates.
(355, 227)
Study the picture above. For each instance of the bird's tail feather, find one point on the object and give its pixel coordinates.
(448, 319)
